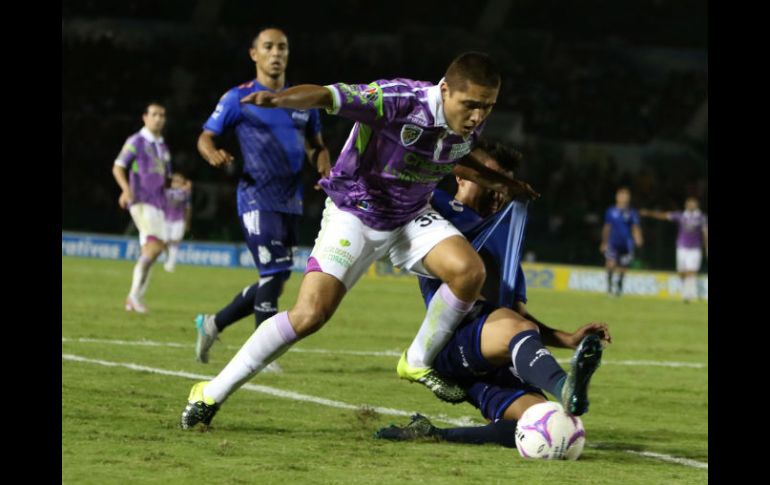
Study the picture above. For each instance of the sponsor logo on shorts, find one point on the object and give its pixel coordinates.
(344, 243)
(337, 256)
(264, 254)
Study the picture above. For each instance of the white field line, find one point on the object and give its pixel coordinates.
(383, 353)
(463, 421)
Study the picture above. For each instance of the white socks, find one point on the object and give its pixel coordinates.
(268, 342)
(445, 312)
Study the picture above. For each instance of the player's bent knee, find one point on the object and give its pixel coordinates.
(307, 319)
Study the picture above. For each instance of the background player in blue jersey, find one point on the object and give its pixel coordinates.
(274, 144)
(620, 233)
(497, 353)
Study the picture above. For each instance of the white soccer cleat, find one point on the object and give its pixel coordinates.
(134, 304)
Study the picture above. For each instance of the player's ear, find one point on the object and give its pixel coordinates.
(253, 54)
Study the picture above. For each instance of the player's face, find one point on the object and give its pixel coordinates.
(465, 109)
(271, 52)
(484, 201)
(691, 204)
(623, 197)
(155, 118)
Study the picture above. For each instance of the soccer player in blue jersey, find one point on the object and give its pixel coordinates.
(408, 135)
(274, 144)
(621, 232)
(497, 352)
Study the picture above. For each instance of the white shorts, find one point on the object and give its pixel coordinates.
(346, 247)
(174, 230)
(150, 221)
(688, 260)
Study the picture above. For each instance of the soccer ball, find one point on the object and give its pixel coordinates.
(545, 431)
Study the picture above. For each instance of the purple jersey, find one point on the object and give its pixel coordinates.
(691, 226)
(397, 152)
(177, 201)
(149, 164)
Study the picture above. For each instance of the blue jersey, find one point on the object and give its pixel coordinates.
(621, 221)
(272, 143)
(492, 252)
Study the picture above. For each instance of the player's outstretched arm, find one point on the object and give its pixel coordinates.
(471, 167)
(553, 337)
(660, 215)
(304, 96)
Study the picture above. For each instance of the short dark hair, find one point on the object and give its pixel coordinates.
(152, 103)
(506, 156)
(475, 67)
(268, 27)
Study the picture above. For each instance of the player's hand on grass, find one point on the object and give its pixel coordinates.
(265, 99)
(125, 199)
(599, 328)
(219, 157)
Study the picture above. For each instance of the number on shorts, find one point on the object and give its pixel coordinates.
(428, 218)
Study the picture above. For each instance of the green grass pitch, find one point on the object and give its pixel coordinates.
(119, 424)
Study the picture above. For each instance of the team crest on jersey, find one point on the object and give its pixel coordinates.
(410, 134)
(459, 150)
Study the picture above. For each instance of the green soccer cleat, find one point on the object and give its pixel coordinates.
(199, 409)
(444, 389)
(419, 427)
(207, 335)
(585, 361)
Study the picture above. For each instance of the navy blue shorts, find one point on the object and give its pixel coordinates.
(270, 237)
(620, 253)
(490, 388)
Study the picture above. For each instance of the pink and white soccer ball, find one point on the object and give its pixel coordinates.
(547, 432)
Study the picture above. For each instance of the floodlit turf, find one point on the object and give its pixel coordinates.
(119, 425)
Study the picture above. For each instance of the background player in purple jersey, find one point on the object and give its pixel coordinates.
(693, 233)
(497, 352)
(147, 159)
(408, 135)
(274, 144)
(621, 232)
(178, 212)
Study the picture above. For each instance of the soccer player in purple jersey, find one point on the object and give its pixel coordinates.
(178, 212)
(408, 135)
(497, 353)
(693, 232)
(274, 144)
(620, 234)
(146, 158)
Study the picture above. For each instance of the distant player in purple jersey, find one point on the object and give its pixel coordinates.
(274, 144)
(408, 135)
(497, 353)
(620, 234)
(142, 170)
(693, 233)
(178, 212)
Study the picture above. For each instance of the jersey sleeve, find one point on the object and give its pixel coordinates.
(674, 216)
(226, 114)
(607, 217)
(373, 104)
(127, 153)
